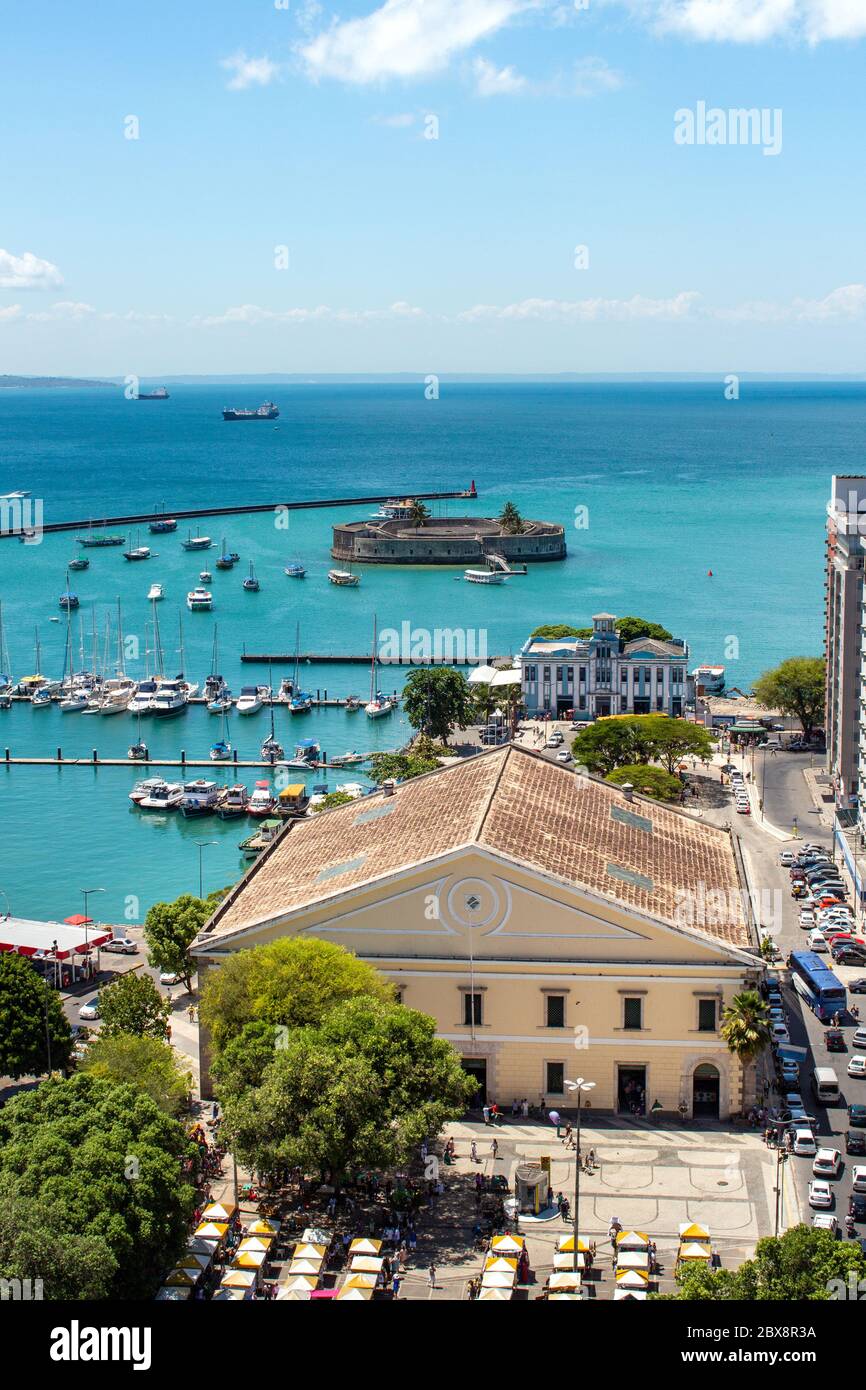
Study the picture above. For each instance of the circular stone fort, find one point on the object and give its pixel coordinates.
(454, 540)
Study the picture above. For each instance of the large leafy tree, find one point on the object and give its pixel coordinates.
(171, 928)
(400, 766)
(98, 1167)
(552, 632)
(652, 781)
(801, 1265)
(133, 1004)
(795, 687)
(630, 628)
(31, 1017)
(290, 982)
(437, 700)
(670, 740)
(145, 1062)
(363, 1088)
(611, 743)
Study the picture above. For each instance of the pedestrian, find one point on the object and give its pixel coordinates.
(395, 1286)
(494, 1149)
(473, 1152)
(485, 1110)
(168, 1032)
(431, 1277)
(190, 1013)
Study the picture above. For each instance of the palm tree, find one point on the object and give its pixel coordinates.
(745, 1028)
(510, 520)
(419, 513)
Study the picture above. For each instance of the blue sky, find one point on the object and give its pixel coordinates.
(305, 127)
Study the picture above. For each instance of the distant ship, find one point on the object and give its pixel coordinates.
(267, 411)
(160, 394)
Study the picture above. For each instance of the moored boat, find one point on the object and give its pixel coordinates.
(295, 570)
(306, 754)
(344, 579)
(260, 838)
(165, 796)
(200, 798)
(251, 699)
(155, 593)
(262, 802)
(144, 788)
(234, 803)
(196, 542)
(199, 600)
(483, 576)
(251, 583)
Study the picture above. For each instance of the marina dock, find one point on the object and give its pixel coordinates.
(96, 524)
(183, 762)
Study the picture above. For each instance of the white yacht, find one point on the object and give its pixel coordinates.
(199, 600)
(155, 593)
(252, 698)
(143, 697)
(165, 796)
(116, 695)
(483, 576)
(144, 788)
(170, 698)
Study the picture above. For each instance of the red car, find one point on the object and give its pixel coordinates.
(834, 1039)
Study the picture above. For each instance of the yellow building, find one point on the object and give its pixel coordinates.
(552, 924)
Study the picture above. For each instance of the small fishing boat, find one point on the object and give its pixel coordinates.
(234, 803)
(165, 796)
(295, 570)
(200, 798)
(483, 577)
(80, 562)
(197, 542)
(344, 579)
(261, 803)
(227, 559)
(293, 801)
(306, 754)
(261, 838)
(155, 593)
(68, 600)
(221, 703)
(98, 540)
(199, 600)
(162, 524)
(138, 552)
(251, 584)
(41, 699)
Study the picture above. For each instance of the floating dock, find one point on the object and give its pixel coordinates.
(183, 762)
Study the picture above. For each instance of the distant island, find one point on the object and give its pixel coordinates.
(59, 382)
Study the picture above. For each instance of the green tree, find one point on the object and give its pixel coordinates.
(745, 1027)
(803, 1265)
(795, 687)
(132, 1004)
(419, 513)
(630, 628)
(290, 982)
(437, 700)
(99, 1167)
(511, 521)
(362, 1089)
(651, 781)
(31, 1016)
(671, 740)
(611, 743)
(171, 928)
(145, 1062)
(400, 766)
(331, 800)
(552, 632)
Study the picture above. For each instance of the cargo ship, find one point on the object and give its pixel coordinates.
(159, 394)
(266, 411)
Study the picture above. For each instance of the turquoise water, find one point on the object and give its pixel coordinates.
(673, 481)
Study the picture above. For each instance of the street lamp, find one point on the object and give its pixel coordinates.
(202, 844)
(86, 892)
(582, 1088)
(781, 1160)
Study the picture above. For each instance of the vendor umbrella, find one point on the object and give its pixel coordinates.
(78, 920)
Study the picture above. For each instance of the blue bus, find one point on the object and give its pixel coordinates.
(815, 982)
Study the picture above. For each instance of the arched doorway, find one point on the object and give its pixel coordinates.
(705, 1091)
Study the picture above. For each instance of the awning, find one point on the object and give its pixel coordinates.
(564, 1259)
(27, 937)
(498, 1264)
(285, 1295)
(217, 1211)
(258, 1243)
(361, 1281)
(481, 675)
(212, 1230)
(567, 1243)
(498, 1281)
(265, 1225)
(629, 1295)
(367, 1264)
(305, 1251)
(563, 1280)
(361, 1245)
(632, 1240)
(313, 1267)
(238, 1279)
(693, 1231)
(354, 1295)
(249, 1259)
(494, 1296)
(632, 1278)
(695, 1252)
(632, 1259)
(507, 1245)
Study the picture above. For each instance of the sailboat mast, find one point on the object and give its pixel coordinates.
(373, 664)
(157, 646)
(119, 640)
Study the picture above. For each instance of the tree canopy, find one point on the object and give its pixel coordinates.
(132, 1004)
(91, 1194)
(801, 1265)
(551, 632)
(795, 687)
(363, 1088)
(510, 520)
(290, 982)
(170, 929)
(630, 628)
(31, 1015)
(145, 1062)
(651, 781)
(641, 738)
(331, 800)
(400, 766)
(437, 700)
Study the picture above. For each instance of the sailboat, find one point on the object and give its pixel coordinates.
(221, 751)
(226, 559)
(378, 704)
(251, 584)
(67, 599)
(271, 748)
(196, 542)
(138, 552)
(5, 664)
(300, 702)
(139, 751)
(79, 562)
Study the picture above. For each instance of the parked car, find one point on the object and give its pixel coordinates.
(817, 941)
(124, 944)
(786, 857)
(563, 756)
(858, 1177)
(857, 986)
(855, 1142)
(807, 917)
(857, 1207)
(779, 1033)
(827, 1163)
(858, 1037)
(803, 1143)
(820, 1194)
(169, 977)
(825, 1221)
(857, 1067)
(90, 1009)
(857, 1116)
(834, 1040)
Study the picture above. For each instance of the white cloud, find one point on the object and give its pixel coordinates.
(399, 121)
(753, 21)
(253, 314)
(592, 75)
(585, 310)
(406, 38)
(27, 272)
(848, 303)
(12, 311)
(249, 72)
(491, 81)
(63, 309)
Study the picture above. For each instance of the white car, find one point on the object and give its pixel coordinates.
(786, 858)
(804, 1142)
(124, 944)
(90, 1009)
(779, 1033)
(858, 1037)
(823, 1221)
(563, 756)
(858, 1177)
(169, 977)
(827, 1164)
(807, 918)
(857, 1067)
(817, 941)
(820, 1194)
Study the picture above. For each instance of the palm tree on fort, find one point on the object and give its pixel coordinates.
(745, 1028)
(419, 513)
(510, 520)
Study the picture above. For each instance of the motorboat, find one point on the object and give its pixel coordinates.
(199, 600)
(483, 576)
(200, 798)
(251, 584)
(250, 699)
(260, 838)
(234, 803)
(284, 694)
(347, 759)
(300, 703)
(306, 754)
(171, 698)
(143, 698)
(155, 593)
(295, 570)
(344, 579)
(75, 701)
(205, 576)
(116, 695)
(262, 802)
(197, 542)
(221, 703)
(143, 789)
(166, 796)
(80, 562)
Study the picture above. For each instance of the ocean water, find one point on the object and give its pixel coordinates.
(704, 514)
